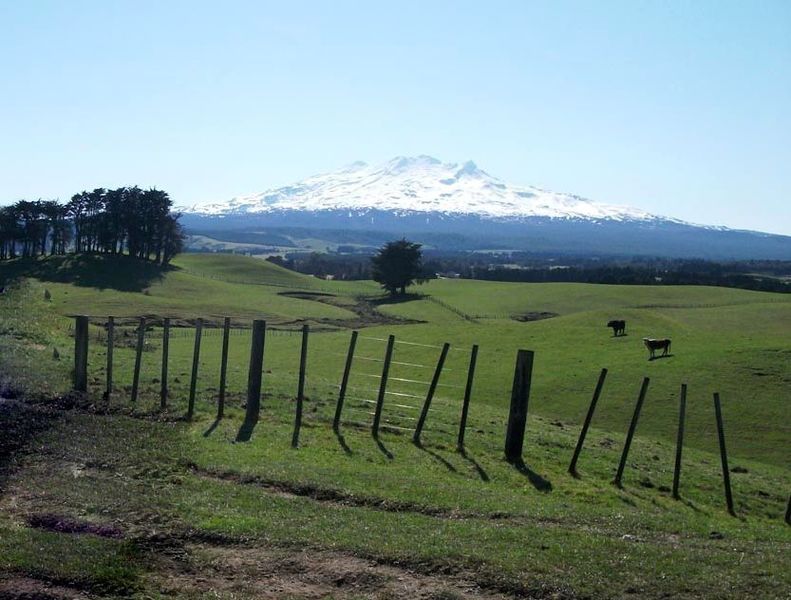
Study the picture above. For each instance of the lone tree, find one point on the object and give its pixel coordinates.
(397, 265)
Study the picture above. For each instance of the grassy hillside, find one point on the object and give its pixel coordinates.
(186, 509)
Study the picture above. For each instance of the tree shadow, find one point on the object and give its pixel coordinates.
(444, 462)
(478, 468)
(538, 482)
(661, 356)
(399, 299)
(342, 443)
(212, 427)
(102, 271)
(246, 430)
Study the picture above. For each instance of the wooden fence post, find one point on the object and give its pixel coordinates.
(788, 511)
(226, 331)
(255, 372)
(726, 474)
(380, 400)
(586, 424)
(163, 386)
(430, 395)
(110, 346)
(632, 426)
(336, 423)
(195, 363)
(467, 395)
(141, 331)
(520, 397)
(682, 408)
(303, 363)
(81, 354)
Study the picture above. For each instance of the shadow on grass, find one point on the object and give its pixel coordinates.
(212, 427)
(102, 271)
(246, 430)
(342, 443)
(445, 463)
(400, 299)
(383, 448)
(660, 357)
(478, 468)
(538, 482)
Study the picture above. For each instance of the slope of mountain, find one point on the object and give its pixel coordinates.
(425, 198)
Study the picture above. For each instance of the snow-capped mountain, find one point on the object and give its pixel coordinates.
(420, 185)
(456, 206)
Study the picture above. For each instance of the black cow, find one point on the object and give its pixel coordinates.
(618, 327)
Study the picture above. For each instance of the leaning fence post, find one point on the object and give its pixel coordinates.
(226, 331)
(380, 400)
(630, 434)
(303, 359)
(586, 424)
(517, 415)
(195, 363)
(467, 395)
(682, 408)
(163, 387)
(430, 395)
(255, 372)
(788, 511)
(110, 344)
(81, 354)
(336, 423)
(141, 330)
(726, 474)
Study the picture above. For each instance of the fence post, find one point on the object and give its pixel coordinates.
(586, 424)
(520, 397)
(110, 345)
(195, 363)
(630, 434)
(430, 395)
(726, 474)
(788, 511)
(255, 372)
(303, 360)
(467, 395)
(380, 400)
(81, 354)
(163, 387)
(141, 330)
(226, 331)
(336, 423)
(682, 408)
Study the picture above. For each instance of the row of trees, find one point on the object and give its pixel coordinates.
(129, 219)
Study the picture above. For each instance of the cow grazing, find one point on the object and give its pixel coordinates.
(618, 327)
(654, 345)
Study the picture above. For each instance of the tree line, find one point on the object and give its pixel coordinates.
(127, 219)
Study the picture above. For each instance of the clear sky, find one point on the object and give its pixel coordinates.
(680, 108)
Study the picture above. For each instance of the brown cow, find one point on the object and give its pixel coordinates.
(657, 344)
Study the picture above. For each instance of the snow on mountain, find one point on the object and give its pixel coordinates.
(415, 185)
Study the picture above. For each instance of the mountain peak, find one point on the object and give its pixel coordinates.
(420, 184)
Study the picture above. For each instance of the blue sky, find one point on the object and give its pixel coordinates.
(680, 108)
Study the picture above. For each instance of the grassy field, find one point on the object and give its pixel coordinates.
(189, 497)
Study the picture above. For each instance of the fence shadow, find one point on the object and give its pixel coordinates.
(342, 443)
(478, 468)
(383, 448)
(246, 430)
(444, 462)
(212, 427)
(538, 482)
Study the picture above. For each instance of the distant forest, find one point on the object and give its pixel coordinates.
(127, 219)
(769, 275)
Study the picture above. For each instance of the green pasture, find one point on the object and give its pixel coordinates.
(533, 530)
